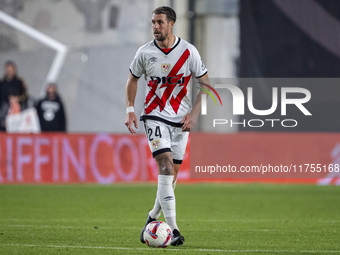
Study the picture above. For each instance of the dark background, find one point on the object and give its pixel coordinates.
(274, 46)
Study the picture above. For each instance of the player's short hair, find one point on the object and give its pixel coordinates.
(169, 12)
(10, 63)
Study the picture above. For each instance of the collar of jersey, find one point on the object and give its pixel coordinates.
(175, 45)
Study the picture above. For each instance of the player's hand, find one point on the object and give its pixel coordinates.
(189, 121)
(131, 119)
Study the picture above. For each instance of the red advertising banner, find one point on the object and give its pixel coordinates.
(297, 157)
(76, 158)
(108, 158)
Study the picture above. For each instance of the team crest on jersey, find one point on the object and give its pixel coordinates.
(166, 67)
(155, 144)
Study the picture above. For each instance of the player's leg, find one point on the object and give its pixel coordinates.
(158, 136)
(159, 141)
(176, 170)
(178, 145)
(166, 162)
(157, 209)
(165, 192)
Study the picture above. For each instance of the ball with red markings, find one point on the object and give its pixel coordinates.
(157, 234)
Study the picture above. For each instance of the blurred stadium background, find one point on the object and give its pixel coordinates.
(86, 46)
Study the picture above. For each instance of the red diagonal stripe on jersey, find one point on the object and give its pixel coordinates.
(169, 87)
(179, 63)
(176, 102)
(152, 91)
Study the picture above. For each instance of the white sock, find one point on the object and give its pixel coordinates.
(174, 184)
(166, 197)
(171, 221)
(157, 209)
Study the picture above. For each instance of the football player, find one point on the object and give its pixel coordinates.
(167, 64)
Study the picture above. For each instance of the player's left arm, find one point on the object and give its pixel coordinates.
(189, 120)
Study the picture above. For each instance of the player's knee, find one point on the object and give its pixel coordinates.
(165, 164)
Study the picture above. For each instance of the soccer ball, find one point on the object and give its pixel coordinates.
(157, 234)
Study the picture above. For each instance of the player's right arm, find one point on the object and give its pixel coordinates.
(131, 91)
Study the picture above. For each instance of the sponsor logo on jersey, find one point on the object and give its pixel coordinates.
(153, 60)
(169, 83)
(166, 67)
(167, 80)
(155, 144)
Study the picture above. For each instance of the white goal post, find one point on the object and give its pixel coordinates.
(60, 48)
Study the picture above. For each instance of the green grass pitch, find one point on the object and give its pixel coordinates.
(213, 218)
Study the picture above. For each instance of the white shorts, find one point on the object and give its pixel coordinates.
(163, 137)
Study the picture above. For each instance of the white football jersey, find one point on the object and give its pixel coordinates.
(167, 75)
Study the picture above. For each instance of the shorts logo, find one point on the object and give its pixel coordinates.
(166, 67)
(155, 144)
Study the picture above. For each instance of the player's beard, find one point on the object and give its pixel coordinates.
(161, 37)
